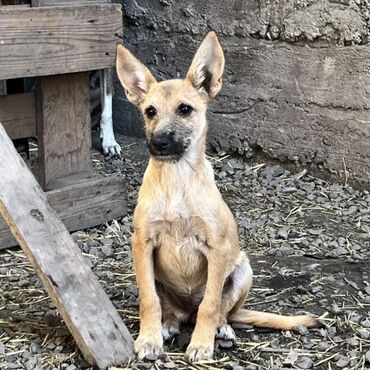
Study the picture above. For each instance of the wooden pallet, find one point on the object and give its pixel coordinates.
(60, 45)
(75, 38)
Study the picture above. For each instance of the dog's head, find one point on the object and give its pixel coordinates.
(175, 110)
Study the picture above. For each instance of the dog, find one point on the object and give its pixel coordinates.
(185, 243)
(101, 100)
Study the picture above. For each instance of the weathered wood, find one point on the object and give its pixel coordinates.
(69, 39)
(17, 114)
(63, 126)
(90, 316)
(81, 203)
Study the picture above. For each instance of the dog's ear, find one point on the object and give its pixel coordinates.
(135, 77)
(207, 67)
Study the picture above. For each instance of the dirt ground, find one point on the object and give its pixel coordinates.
(309, 243)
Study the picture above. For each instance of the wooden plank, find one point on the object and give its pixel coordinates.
(81, 204)
(17, 114)
(69, 39)
(63, 126)
(85, 308)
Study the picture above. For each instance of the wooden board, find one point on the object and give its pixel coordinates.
(17, 114)
(85, 308)
(63, 126)
(81, 204)
(69, 39)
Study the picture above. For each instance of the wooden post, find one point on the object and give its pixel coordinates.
(63, 126)
(90, 316)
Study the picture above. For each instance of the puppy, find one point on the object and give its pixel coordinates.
(185, 245)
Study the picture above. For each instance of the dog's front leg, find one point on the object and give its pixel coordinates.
(202, 340)
(149, 341)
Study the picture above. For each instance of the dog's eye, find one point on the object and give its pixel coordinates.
(184, 110)
(150, 112)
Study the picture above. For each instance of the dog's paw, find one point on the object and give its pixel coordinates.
(225, 332)
(111, 148)
(148, 348)
(108, 142)
(169, 330)
(199, 352)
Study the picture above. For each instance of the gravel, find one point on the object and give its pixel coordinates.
(309, 243)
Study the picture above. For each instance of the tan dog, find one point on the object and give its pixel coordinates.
(185, 245)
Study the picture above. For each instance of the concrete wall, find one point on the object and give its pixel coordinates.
(297, 79)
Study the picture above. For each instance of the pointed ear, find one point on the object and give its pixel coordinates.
(134, 76)
(207, 67)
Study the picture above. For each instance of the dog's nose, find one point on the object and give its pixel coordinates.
(160, 141)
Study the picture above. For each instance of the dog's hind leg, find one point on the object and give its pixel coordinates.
(235, 292)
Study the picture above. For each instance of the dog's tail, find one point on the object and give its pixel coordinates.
(271, 320)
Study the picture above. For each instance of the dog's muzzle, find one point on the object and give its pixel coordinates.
(163, 145)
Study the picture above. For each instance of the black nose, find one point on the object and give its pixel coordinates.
(160, 141)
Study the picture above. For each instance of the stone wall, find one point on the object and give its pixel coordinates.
(297, 80)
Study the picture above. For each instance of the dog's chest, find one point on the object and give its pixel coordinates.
(169, 208)
(180, 238)
(180, 253)
(176, 219)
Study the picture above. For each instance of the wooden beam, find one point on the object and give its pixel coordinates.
(63, 126)
(69, 39)
(81, 204)
(17, 114)
(85, 308)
